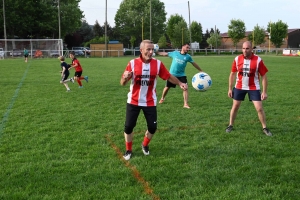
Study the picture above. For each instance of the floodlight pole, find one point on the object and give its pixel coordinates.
(4, 25)
(106, 47)
(59, 33)
(216, 38)
(181, 36)
(142, 28)
(253, 38)
(190, 28)
(150, 21)
(270, 36)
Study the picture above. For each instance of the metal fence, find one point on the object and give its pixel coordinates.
(135, 52)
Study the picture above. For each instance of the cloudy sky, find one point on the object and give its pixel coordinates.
(209, 13)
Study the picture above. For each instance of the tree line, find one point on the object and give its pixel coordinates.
(40, 19)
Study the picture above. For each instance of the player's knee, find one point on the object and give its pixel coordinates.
(152, 129)
(128, 129)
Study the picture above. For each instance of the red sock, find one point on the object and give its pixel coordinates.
(146, 141)
(81, 78)
(79, 82)
(128, 146)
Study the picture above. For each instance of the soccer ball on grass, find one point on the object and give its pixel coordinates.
(201, 81)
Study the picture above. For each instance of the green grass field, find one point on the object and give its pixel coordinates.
(59, 145)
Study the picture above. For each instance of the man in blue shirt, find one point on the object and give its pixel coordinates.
(26, 53)
(179, 62)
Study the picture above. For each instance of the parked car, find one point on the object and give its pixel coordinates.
(16, 52)
(54, 53)
(1, 53)
(79, 51)
(87, 51)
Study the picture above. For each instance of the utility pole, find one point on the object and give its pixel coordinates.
(59, 33)
(142, 28)
(4, 25)
(216, 37)
(106, 47)
(190, 28)
(150, 21)
(270, 36)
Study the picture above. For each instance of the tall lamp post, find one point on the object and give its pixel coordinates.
(270, 36)
(150, 21)
(190, 28)
(4, 25)
(106, 47)
(181, 36)
(142, 28)
(59, 33)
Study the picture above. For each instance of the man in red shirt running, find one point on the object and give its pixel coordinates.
(246, 70)
(78, 70)
(142, 73)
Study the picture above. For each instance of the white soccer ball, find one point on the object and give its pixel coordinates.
(201, 81)
(156, 47)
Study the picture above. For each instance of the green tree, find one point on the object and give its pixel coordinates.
(132, 41)
(196, 32)
(39, 19)
(172, 22)
(128, 19)
(162, 42)
(181, 34)
(97, 29)
(257, 36)
(214, 40)
(109, 30)
(96, 40)
(205, 36)
(85, 31)
(278, 31)
(236, 30)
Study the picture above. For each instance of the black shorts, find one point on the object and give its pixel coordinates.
(132, 113)
(78, 74)
(26, 55)
(181, 78)
(65, 77)
(239, 95)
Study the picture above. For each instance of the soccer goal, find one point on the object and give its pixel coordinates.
(37, 48)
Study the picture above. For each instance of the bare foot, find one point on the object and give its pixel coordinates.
(186, 106)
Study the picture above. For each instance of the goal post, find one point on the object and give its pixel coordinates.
(36, 47)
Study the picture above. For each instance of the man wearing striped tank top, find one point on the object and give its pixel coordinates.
(246, 71)
(142, 74)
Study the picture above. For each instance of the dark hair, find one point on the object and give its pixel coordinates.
(72, 52)
(185, 44)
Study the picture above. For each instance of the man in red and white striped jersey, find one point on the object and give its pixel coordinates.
(247, 69)
(142, 73)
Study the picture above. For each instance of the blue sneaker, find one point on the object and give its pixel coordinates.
(80, 87)
(86, 78)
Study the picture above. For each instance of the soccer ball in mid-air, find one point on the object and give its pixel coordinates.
(201, 81)
(156, 47)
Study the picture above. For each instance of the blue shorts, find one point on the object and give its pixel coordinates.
(239, 95)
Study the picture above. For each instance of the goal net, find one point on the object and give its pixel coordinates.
(37, 48)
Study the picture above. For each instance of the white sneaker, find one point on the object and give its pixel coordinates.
(72, 80)
(145, 150)
(127, 155)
